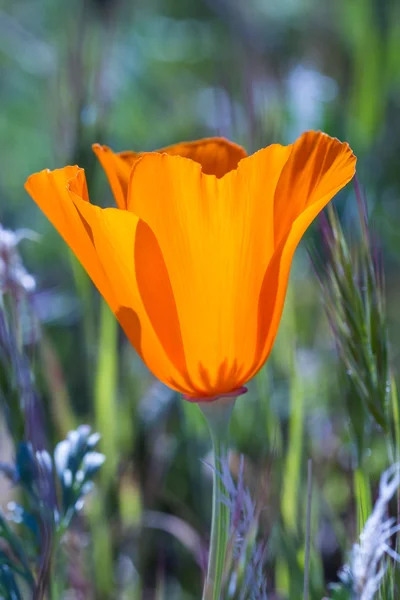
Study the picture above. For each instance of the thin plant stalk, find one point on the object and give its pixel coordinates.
(295, 448)
(362, 491)
(219, 526)
(308, 531)
(217, 414)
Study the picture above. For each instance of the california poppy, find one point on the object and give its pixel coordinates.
(195, 260)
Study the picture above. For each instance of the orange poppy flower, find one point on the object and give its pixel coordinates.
(196, 259)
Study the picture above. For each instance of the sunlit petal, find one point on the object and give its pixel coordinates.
(216, 239)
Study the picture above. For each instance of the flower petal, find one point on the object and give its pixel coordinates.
(106, 243)
(52, 191)
(133, 264)
(216, 239)
(217, 156)
(117, 167)
(319, 166)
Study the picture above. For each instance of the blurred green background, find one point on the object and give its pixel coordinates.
(142, 74)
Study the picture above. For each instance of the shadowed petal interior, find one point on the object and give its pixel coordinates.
(217, 156)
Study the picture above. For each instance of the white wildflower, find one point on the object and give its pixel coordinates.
(13, 275)
(368, 561)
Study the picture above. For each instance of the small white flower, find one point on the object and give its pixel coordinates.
(368, 558)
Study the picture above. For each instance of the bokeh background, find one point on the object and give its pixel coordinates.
(142, 74)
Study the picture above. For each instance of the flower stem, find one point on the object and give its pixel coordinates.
(217, 414)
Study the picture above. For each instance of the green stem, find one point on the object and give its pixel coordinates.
(217, 414)
(362, 492)
(219, 527)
